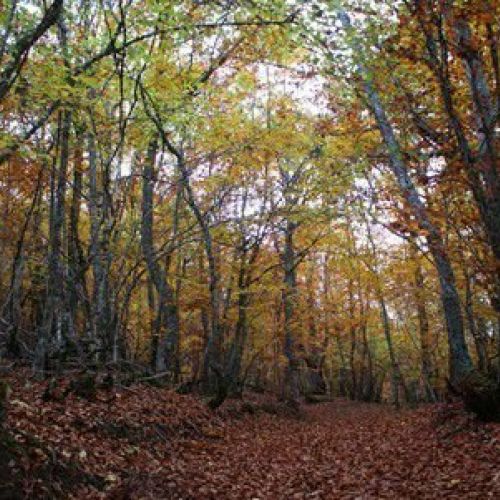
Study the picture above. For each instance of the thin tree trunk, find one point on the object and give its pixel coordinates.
(292, 393)
(395, 372)
(76, 265)
(479, 341)
(212, 366)
(13, 305)
(23, 44)
(423, 324)
(396, 375)
(353, 343)
(97, 251)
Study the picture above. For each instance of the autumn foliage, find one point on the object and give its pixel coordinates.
(224, 199)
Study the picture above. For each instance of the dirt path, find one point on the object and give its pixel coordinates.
(151, 443)
(341, 450)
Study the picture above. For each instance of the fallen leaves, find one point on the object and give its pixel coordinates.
(154, 443)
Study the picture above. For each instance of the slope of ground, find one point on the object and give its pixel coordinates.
(145, 442)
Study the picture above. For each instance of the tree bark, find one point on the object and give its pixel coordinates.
(51, 332)
(481, 166)
(480, 394)
(213, 353)
(12, 307)
(22, 46)
(292, 390)
(423, 327)
(166, 323)
(460, 361)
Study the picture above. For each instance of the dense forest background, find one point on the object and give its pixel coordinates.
(290, 196)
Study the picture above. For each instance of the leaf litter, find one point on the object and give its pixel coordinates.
(148, 443)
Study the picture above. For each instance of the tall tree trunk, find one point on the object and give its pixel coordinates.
(479, 393)
(51, 331)
(485, 181)
(100, 300)
(76, 263)
(166, 323)
(481, 166)
(460, 361)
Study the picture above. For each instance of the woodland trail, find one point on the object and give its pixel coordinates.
(346, 450)
(151, 443)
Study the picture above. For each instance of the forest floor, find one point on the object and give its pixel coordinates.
(147, 442)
